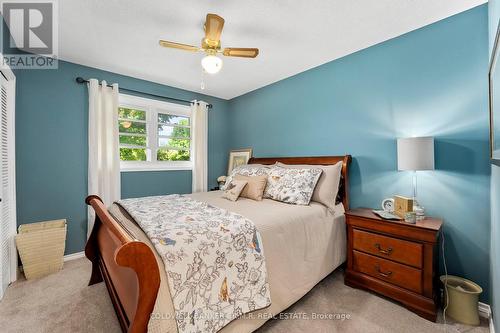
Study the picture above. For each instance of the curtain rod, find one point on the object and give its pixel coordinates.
(81, 80)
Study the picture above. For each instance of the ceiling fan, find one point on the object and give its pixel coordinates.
(210, 44)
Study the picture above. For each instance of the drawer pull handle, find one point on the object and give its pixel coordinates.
(384, 274)
(379, 248)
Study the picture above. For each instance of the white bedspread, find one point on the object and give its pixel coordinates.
(303, 244)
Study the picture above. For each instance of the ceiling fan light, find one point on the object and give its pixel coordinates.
(211, 64)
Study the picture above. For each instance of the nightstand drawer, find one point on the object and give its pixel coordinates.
(402, 251)
(400, 275)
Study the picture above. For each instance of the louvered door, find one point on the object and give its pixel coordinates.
(7, 188)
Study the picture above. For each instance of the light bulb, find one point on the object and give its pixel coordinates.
(211, 64)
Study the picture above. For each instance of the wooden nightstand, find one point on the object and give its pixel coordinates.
(395, 259)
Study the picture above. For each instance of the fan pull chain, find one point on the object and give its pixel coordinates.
(202, 84)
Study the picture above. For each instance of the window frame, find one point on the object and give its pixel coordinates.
(153, 107)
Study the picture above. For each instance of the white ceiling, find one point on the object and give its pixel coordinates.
(293, 35)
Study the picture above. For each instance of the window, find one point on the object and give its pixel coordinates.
(154, 135)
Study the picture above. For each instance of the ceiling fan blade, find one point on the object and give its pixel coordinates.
(240, 52)
(213, 29)
(185, 47)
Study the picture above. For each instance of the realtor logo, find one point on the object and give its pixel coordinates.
(33, 34)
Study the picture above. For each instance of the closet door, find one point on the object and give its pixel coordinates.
(8, 257)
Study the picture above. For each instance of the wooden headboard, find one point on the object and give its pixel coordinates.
(316, 160)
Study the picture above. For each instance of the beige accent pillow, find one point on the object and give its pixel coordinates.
(328, 184)
(233, 189)
(255, 186)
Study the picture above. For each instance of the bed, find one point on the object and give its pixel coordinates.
(303, 244)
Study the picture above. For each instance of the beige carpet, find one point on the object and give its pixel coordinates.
(62, 302)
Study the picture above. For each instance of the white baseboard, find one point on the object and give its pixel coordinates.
(74, 256)
(484, 310)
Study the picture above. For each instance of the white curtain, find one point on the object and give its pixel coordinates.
(104, 158)
(199, 126)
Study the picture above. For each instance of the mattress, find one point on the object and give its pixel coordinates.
(302, 245)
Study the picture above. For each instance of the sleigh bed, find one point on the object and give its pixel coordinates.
(302, 246)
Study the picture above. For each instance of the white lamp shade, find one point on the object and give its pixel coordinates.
(416, 153)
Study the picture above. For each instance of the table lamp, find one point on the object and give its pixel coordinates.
(415, 154)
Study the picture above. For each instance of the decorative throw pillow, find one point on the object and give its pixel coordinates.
(233, 189)
(247, 170)
(328, 184)
(295, 186)
(255, 186)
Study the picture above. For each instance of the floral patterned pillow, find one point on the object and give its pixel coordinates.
(247, 170)
(233, 190)
(294, 186)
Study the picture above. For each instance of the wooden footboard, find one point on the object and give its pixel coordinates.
(127, 266)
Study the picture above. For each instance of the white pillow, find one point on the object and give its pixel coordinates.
(247, 170)
(328, 185)
(294, 186)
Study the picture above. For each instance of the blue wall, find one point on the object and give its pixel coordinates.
(494, 16)
(428, 82)
(51, 146)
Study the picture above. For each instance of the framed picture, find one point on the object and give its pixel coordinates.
(238, 157)
(494, 89)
